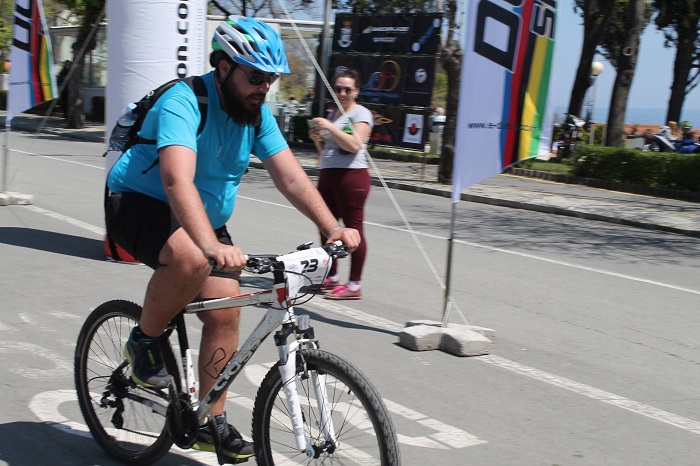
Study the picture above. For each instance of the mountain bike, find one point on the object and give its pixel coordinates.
(312, 407)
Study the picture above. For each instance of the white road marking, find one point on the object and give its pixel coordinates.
(576, 387)
(62, 366)
(46, 407)
(7, 328)
(64, 315)
(592, 392)
(25, 318)
(59, 159)
(100, 231)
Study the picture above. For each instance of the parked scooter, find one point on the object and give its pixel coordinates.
(663, 141)
(570, 137)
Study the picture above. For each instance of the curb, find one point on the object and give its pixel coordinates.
(668, 193)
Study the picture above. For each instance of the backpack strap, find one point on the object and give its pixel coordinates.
(197, 85)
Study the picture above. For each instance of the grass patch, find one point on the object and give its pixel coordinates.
(560, 167)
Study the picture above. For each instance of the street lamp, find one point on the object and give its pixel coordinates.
(596, 69)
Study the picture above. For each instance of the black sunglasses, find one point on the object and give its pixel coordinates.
(340, 89)
(256, 79)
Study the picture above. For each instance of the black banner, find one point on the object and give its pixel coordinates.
(395, 57)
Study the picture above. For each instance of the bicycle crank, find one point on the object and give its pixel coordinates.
(182, 422)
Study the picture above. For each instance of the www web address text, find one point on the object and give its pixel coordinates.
(503, 125)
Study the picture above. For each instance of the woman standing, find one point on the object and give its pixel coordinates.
(344, 180)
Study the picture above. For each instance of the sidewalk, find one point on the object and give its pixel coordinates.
(520, 192)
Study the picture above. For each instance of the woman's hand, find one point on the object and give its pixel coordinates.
(322, 125)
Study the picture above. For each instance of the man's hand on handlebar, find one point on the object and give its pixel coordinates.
(349, 236)
(224, 257)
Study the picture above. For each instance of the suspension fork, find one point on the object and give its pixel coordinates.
(288, 371)
(290, 374)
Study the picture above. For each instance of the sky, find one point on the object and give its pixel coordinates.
(652, 80)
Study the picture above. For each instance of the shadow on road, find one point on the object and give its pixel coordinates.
(23, 443)
(50, 241)
(339, 323)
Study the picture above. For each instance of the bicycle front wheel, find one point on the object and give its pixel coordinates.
(364, 431)
(122, 416)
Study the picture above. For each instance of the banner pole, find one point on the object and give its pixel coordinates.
(448, 274)
(5, 155)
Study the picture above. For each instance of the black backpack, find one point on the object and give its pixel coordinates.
(124, 135)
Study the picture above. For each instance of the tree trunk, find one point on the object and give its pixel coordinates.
(685, 53)
(85, 43)
(596, 17)
(452, 63)
(627, 64)
(75, 116)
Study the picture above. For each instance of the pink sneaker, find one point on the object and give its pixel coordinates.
(329, 284)
(342, 292)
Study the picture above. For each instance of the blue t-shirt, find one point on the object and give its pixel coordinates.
(223, 149)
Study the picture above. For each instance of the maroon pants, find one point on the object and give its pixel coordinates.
(345, 192)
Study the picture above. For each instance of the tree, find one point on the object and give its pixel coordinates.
(91, 13)
(295, 83)
(6, 15)
(596, 15)
(379, 7)
(621, 47)
(452, 63)
(680, 22)
(261, 8)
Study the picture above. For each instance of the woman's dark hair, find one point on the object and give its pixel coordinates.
(348, 73)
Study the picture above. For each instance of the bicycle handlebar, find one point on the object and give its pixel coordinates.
(266, 263)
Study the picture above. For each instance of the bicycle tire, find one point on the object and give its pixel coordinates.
(143, 436)
(353, 402)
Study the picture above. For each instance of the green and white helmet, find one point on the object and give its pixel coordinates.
(251, 42)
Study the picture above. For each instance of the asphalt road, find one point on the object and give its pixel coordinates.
(595, 360)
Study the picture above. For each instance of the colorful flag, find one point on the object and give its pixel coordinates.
(504, 110)
(31, 71)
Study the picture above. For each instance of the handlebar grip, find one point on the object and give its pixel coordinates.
(212, 261)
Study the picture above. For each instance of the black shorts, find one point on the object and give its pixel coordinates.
(142, 225)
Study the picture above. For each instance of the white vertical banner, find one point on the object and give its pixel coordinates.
(504, 107)
(31, 66)
(150, 42)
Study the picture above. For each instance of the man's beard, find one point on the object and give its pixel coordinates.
(238, 109)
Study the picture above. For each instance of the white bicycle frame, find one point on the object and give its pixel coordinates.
(301, 268)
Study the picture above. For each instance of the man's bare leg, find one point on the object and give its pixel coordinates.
(219, 336)
(174, 284)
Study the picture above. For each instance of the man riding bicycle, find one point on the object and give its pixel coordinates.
(170, 202)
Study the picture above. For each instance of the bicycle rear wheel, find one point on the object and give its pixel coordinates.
(363, 427)
(121, 415)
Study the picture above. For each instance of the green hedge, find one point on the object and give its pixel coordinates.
(656, 169)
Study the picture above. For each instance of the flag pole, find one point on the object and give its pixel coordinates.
(448, 274)
(4, 157)
(6, 197)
